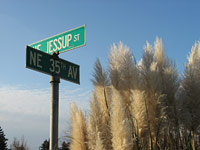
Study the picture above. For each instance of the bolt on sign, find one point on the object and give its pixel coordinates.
(62, 42)
(52, 65)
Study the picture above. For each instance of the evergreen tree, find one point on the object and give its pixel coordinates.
(65, 146)
(3, 140)
(45, 145)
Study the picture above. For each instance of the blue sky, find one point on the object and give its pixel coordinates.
(25, 94)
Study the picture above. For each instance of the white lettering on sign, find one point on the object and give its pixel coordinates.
(76, 37)
(37, 46)
(35, 59)
(55, 66)
(58, 43)
(54, 42)
(32, 58)
(69, 38)
(63, 66)
(39, 56)
(72, 72)
(49, 46)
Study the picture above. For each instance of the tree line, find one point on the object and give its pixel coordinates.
(22, 144)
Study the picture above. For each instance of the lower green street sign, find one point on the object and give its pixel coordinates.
(52, 65)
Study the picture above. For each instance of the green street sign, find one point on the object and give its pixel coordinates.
(62, 42)
(52, 65)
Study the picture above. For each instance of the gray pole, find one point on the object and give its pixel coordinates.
(54, 80)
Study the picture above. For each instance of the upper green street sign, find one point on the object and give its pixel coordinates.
(52, 65)
(62, 42)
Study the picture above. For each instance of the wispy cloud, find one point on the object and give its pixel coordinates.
(26, 111)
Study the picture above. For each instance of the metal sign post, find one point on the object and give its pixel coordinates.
(54, 111)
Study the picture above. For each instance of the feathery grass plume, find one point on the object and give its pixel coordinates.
(191, 88)
(169, 84)
(78, 131)
(193, 58)
(140, 119)
(100, 75)
(94, 125)
(101, 84)
(123, 74)
(169, 81)
(102, 93)
(144, 66)
(120, 127)
(147, 57)
(122, 67)
(99, 143)
(168, 78)
(159, 54)
(158, 75)
(138, 112)
(151, 79)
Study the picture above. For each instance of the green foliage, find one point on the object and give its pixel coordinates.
(65, 146)
(3, 140)
(45, 145)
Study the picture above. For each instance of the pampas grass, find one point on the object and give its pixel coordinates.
(120, 127)
(191, 99)
(141, 106)
(101, 105)
(78, 132)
